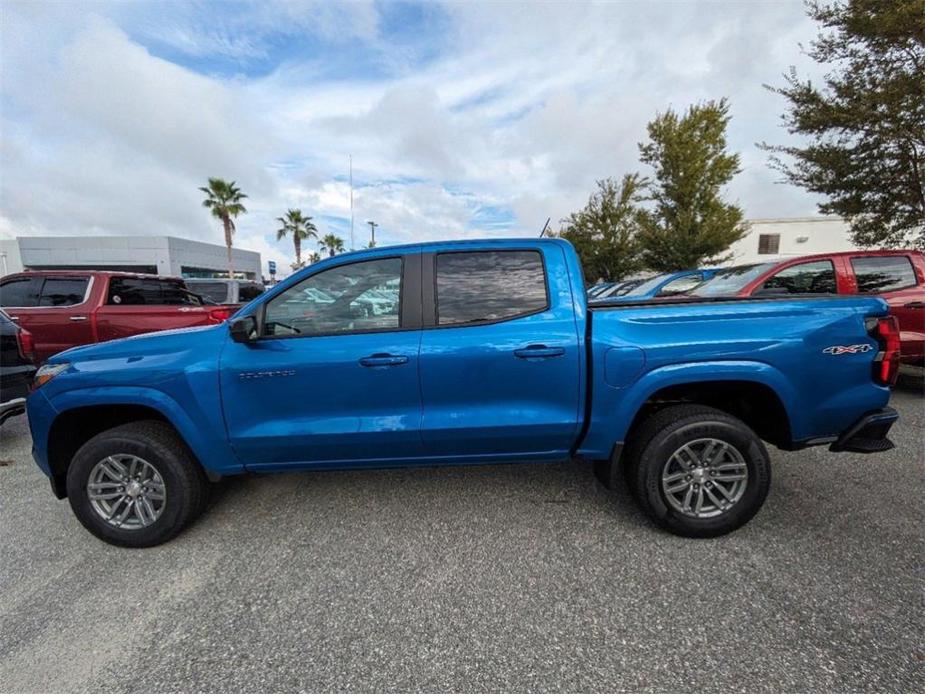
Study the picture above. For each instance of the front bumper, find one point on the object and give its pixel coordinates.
(868, 434)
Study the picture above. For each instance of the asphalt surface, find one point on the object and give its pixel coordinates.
(506, 578)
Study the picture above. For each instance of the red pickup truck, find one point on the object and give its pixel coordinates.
(896, 276)
(66, 308)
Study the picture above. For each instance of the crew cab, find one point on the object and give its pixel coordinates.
(66, 308)
(896, 276)
(472, 352)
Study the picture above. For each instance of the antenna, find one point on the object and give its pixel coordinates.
(545, 227)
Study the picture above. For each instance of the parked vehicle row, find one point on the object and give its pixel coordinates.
(896, 276)
(67, 308)
(479, 351)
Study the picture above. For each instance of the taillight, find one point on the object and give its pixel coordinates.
(886, 363)
(26, 344)
(219, 315)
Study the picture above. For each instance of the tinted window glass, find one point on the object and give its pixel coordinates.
(883, 274)
(213, 291)
(349, 298)
(680, 285)
(489, 286)
(134, 291)
(63, 291)
(19, 293)
(246, 292)
(806, 278)
(729, 281)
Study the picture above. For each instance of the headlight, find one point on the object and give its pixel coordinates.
(48, 372)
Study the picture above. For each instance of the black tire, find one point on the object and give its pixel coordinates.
(160, 446)
(667, 431)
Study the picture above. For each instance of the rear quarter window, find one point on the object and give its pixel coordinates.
(489, 286)
(876, 274)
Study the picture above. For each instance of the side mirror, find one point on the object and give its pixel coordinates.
(243, 329)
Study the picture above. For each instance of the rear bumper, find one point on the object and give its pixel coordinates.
(868, 434)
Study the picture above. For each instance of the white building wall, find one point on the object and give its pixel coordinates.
(184, 252)
(798, 236)
(166, 253)
(10, 259)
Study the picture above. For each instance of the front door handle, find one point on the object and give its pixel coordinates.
(14, 317)
(915, 304)
(538, 352)
(374, 360)
(76, 318)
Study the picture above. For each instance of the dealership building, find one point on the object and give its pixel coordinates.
(776, 239)
(159, 255)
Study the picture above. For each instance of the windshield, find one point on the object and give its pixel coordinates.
(648, 286)
(731, 280)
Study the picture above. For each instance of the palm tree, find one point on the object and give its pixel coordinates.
(301, 228)
(314, 257)
(332, 244)
(224, 199)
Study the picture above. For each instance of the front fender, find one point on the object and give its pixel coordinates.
(613, 409)
(210, 446)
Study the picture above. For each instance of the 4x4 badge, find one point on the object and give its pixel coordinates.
(847, 349)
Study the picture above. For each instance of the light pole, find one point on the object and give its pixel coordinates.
(372, 232)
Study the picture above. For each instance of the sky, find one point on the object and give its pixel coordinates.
(464, 119)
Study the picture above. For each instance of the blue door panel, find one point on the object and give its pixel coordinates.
(310, 400)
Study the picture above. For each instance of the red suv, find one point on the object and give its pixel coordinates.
(66, 308)
(896, 276)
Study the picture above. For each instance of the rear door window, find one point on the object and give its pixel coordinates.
(489, 286)
(22, 292)
(137, 291)
(817, 277)
(64, 291)
(876, 274)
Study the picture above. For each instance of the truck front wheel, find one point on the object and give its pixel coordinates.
(135, 485)
(697, 471)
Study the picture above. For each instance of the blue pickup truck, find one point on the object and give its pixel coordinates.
(464, 353)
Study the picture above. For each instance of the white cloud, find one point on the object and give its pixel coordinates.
(108, 128)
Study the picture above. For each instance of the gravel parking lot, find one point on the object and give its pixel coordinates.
(528, 577)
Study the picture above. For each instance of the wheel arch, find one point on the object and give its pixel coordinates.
(82, 414)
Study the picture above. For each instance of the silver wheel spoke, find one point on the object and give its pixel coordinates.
(106, 495)
(126, 491)
(702, 462)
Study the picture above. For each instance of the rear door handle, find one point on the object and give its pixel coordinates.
(915, 304)
(374, 360)
(78, 318)
(14, 317)
(538, 352)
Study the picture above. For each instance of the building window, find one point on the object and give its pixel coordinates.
(768, 244)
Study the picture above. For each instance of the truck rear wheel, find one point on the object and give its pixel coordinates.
(697, 471)
(135, 485)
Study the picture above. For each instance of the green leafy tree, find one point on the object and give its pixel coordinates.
(864, 126)
(688, 223)
(604, 232)
(224, 200)
(300, 227)
(332, 244)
